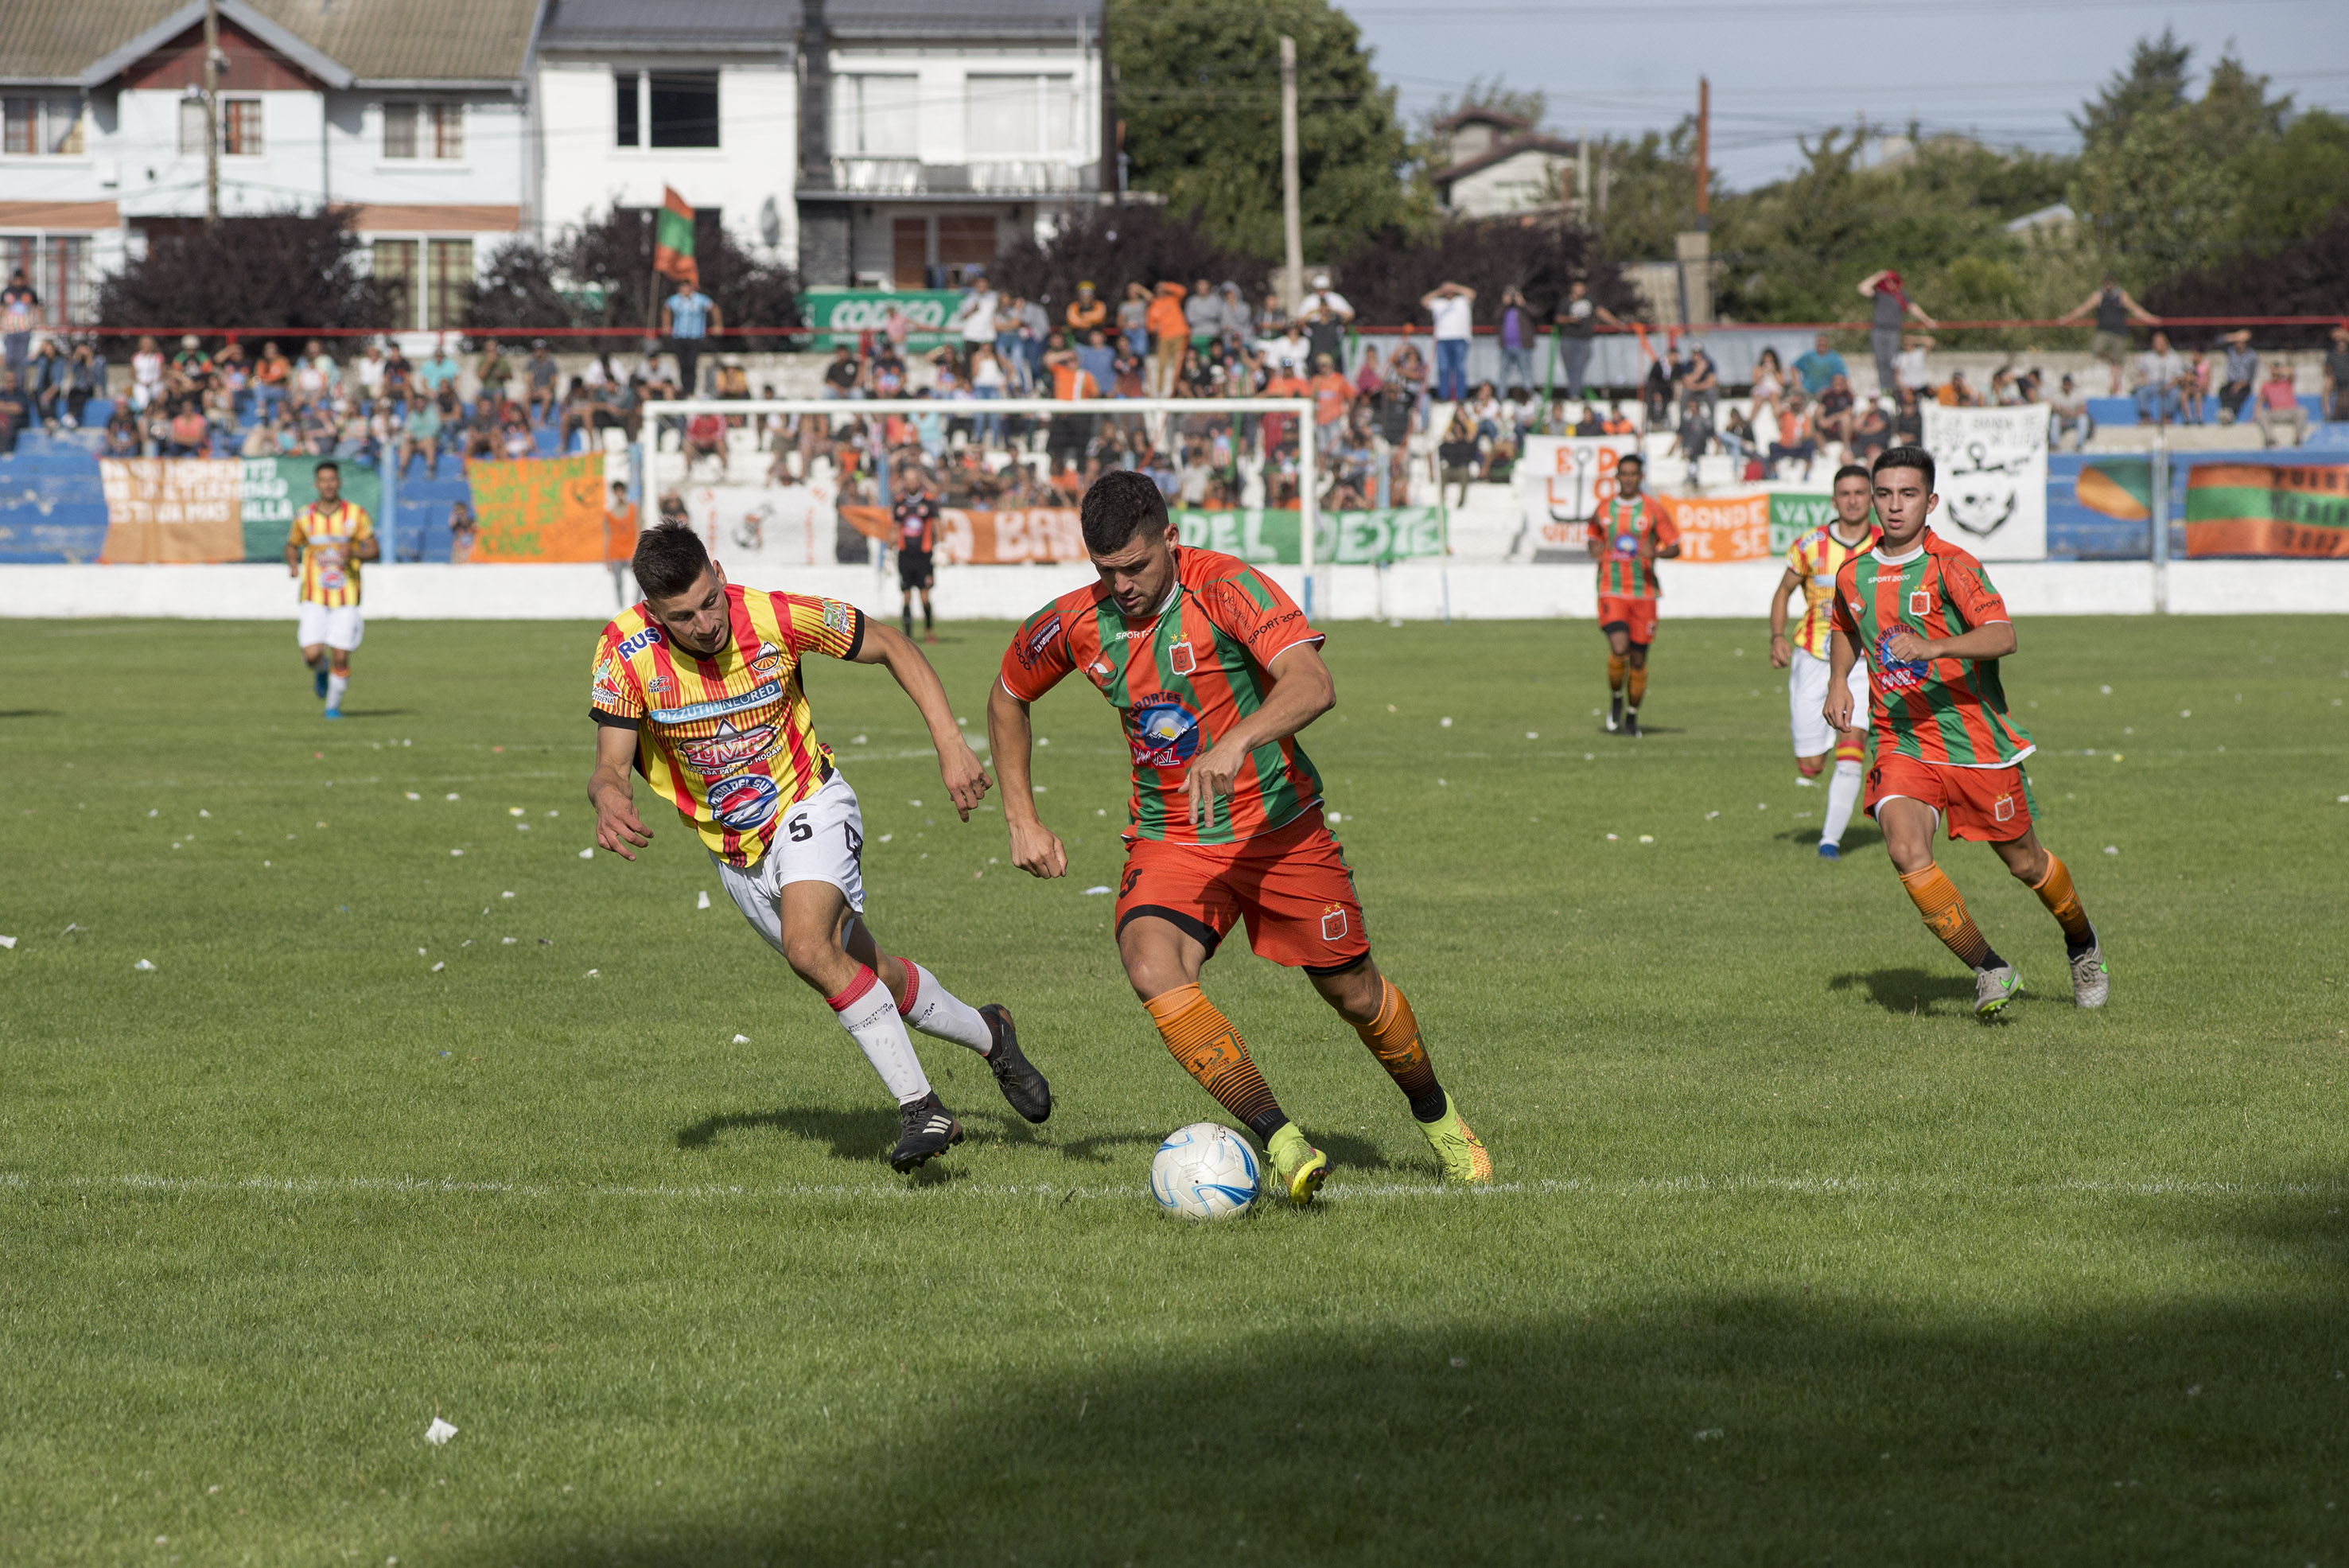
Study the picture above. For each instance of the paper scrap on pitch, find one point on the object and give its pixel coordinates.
(742, 1040)
(8, 942)
(588, 855)
(143, 963)
(439, 1432)
(1094, 892)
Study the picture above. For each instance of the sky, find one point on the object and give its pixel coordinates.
(2008, 71)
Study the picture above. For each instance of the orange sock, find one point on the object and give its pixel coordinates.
(1638, 684)
(2055, 890)
(1394, 1039)
(1615, 672)
(1212, 1052)
(1944, 909)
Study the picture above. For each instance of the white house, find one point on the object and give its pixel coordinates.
(1499, 164)
(415, 115)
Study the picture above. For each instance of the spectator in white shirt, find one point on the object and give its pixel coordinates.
(1323, 315)
(1452, 306)
(2158, 370)
(974, 319)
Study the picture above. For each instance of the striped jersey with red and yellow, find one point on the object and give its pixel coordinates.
(1815, 558)
(1628, 533)
(328, 534)
(727, 740)
(1950, 711)
(1180, 682)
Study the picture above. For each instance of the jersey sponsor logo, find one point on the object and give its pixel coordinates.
(1043, 638)
(658, 684)
(639, 643)
(1898, 675)
(607, 693)
(757, 697)
(1162, 732)
(729, 750)
(1625, 544)
(1126, 883)
(745, 803)
(835, 615)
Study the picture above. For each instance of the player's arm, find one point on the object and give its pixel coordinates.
(1788, 583)
(366, 546)
(1994, 639)
(1035, 849)
(610, 792)
(1842, 654)
(294, 551)
(1303, 690)
(966, 783)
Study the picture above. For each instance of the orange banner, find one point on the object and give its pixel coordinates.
(987, 538)
(537, 509)
(1731, 528)
(177, 510)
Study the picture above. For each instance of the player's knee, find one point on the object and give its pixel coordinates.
(1810, 767)
(812, 955)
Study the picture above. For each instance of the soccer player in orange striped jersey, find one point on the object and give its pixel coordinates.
(697, 687)
(1213, 670)
(1924, 617)
(1811, 565)
(329, 538)
(1628, 535)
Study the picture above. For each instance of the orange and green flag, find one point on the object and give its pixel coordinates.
(673, 241)
(2268, 509)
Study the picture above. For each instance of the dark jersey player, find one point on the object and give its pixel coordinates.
(916, 514)
(1213, 670)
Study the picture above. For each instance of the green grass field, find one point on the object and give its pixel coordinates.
(1791, 1259)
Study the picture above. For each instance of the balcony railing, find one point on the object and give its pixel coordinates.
(911, 177)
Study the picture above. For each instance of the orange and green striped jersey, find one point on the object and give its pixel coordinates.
(1817, 558)
(727, 740)
(1180, 682)
(1952, 711)
(1628, 533)
(327, 533)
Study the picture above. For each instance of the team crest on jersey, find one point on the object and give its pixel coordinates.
(1920, 602)
(768, 661)
(728, 750)
(744, 802)
(1333, 923)
(1162, 732)
(2003, 808)
(1180, 659)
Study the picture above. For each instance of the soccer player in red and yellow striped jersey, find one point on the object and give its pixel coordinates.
(329, 539)
(1629, 535)
(1923, 616)
(1811, 565)
(697, 687)
(1213, 670)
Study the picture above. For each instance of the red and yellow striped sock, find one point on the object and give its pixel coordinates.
(1856, 751)
(1944, 909)
(2055, 890)
(1639, 684)
(1393, 1038)
(1212, 1052)
(1615, 672)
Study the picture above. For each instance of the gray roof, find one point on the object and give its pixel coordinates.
(655, 24)
(86, 41)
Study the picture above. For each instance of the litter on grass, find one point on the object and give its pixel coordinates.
(1647, 838)
(742, 1040)
(439, 966)
(453, 794)
(456, 852)
(143, 963)
(702, 902)
(594, 972)
(203, 813)
(413, 796)
(2112, 849)
(886, 837)
(513, 811)
(1095, 892)
(507, 941)
(8, 942)
(505, 895)
(439, 1432)
(1444, 722)
(1533, 735)
(586, 855)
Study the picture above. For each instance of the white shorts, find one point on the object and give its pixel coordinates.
(1806, 700)
(337, 627)
(822, 839)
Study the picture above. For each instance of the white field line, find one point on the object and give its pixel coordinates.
(1340, 1191)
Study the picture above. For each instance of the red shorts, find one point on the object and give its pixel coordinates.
(1991, 805)
(1291, 886)
(1637, 616)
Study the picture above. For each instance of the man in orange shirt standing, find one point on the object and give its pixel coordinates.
(1332, 396)
(1170, 330)
(1084, 313)
(619, 524)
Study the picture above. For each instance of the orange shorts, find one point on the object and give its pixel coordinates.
(1990, 804)
(1291, 886)
(1636, 617)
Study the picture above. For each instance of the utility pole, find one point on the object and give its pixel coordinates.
(1695, 246)
(212, 112)
(1291, 222)
(1582, 175)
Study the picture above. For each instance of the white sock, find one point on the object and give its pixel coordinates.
(942, 1015)
(1843, 794)
(866, 1010)
(336, 686)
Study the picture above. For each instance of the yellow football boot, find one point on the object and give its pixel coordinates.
(1458, 1151)
(1302, 1169)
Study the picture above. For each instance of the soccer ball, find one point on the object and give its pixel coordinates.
(1204, 1171)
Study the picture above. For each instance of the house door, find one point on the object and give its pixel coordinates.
(909, 252)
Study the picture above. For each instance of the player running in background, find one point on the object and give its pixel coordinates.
(1811, 565)
(916, 509)
(1628, 535)
(329, 538)
(1932, 630)
(697, 687)
(1212, 672)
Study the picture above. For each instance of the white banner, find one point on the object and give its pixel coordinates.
(1564, 479)
(775, 525)
(1993, 480)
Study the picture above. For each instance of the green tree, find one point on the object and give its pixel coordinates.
(2289, 189)
(1646, 192)
(1198, 96)
(2153, 82)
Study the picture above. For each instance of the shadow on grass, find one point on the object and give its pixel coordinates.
(379, 712)
(30, 713)
(1915, 992)
(1855, 837)
(862, 1134)
(1747, 1426)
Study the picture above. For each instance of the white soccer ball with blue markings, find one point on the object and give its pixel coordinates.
(1204, 1171)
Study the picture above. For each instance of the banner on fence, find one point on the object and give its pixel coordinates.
(1721, 528)
(1993, 479)
(1259, 536)
(1564, 479)
(842, 315)
(277, 487)
(180, 511)
(539, 509)
(2267, 509)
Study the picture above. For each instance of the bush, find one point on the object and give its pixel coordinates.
(285, 273)
(2307, 277)
(1113, 246)
(1385, 276)
(600, 274)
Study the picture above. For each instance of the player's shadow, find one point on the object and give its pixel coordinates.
(1352, 1153)
(30, 713)
(858, 1135)
(1098, 1149)
(379, 712)
(1858, 835)
(1915, 992)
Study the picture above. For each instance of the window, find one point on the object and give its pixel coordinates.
(241, 127)
(57, 266)
(36, 127)
(874, 116)
(1020, 116)
(395, 267)
(191, 128)
(450, 276)
(665, 108)
(424, 130)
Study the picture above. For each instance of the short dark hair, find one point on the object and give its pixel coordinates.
(1121, 504)
(1915, 457)
(669, 559)
(1849, 470)
(1632, 460)
(325, 463)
